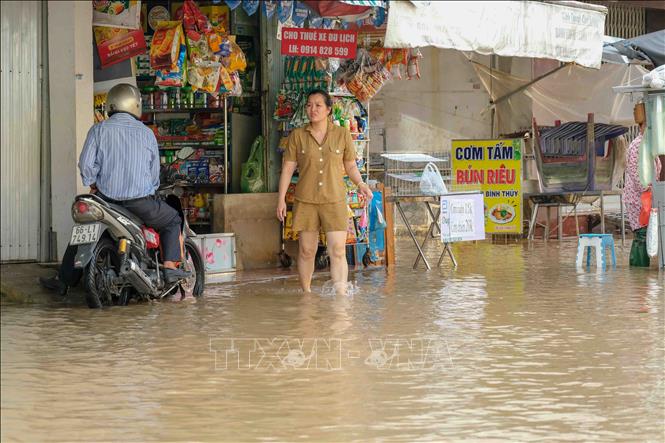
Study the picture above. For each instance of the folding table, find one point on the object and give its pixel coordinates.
(428, 201)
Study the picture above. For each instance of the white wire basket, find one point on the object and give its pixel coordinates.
(403, 170)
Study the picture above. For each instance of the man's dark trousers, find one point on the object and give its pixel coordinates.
(157, 214)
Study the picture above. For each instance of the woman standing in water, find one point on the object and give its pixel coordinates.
(632, 194)
(323, 153)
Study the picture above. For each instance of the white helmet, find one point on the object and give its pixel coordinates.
(124, 98)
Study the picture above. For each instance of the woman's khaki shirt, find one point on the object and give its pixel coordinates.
(321, 178)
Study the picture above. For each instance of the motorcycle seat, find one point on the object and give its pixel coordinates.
(130, 215)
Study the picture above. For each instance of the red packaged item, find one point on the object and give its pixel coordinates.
(165, 46)
(197, 29)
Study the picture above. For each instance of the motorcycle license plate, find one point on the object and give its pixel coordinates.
(83, 234)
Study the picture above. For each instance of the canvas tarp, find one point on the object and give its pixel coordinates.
(567, 95)
(507, 28)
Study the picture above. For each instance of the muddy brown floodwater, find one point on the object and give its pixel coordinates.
(514, 345)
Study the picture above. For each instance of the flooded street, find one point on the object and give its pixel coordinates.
(514, 345)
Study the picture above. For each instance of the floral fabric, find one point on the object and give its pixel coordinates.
(633, 189)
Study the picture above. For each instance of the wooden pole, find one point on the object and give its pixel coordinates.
(591, 152)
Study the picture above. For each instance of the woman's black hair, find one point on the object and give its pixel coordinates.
(327, 99)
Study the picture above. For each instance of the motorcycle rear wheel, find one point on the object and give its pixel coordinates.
(194, 285)
(104, 257)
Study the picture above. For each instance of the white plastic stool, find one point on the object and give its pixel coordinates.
(598, 241)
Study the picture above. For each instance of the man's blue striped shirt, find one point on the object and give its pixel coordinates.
(121, 157)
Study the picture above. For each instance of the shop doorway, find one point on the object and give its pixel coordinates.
(21, 147)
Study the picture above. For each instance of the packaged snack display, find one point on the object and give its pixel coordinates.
(165, 46)
(236, 60)
(218, 16)
(216, 39)
(216, 171)
(194, 20)
(199, 49)
(364, 76)
(225, 80)
(174, 77)
(204, 76)
(236, 90)
(198, 31)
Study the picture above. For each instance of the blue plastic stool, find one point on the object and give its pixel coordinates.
(598, 241)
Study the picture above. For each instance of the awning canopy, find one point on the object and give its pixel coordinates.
(612, 54)
(565, 31)
(647, 47)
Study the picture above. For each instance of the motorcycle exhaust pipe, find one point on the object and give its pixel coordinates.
(137, 278)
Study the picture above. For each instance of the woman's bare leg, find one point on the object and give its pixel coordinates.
(339, 268)
(307, 246)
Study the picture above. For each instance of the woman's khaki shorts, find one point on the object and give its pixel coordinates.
(311, 217)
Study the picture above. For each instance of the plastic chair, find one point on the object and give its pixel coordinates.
(598, 241)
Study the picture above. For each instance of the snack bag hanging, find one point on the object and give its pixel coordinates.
(204, 76)
(225, 80)
(216, 39)
(176, 77)
(198, 31)
(237, 60)
(364, 76)
(236, 90)
(165, 46)
(194, 19)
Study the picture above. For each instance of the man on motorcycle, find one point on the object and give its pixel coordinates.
(120, 163)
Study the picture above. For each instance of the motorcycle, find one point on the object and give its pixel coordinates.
(116, 256)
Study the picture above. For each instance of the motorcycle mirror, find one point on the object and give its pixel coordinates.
(185, 153)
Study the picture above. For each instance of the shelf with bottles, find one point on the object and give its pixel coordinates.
(182, 110)
(157, 99)
(199, 132)
(179, 145)
(197, 128)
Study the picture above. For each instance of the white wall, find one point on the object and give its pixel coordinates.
(447, 103)
(71, 105)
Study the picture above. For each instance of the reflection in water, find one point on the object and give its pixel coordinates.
(514, 345)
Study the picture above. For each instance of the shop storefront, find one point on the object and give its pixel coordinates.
(226, 82)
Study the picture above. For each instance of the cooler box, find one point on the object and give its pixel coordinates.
(218, 252)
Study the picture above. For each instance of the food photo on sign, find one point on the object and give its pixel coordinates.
(117, 14)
